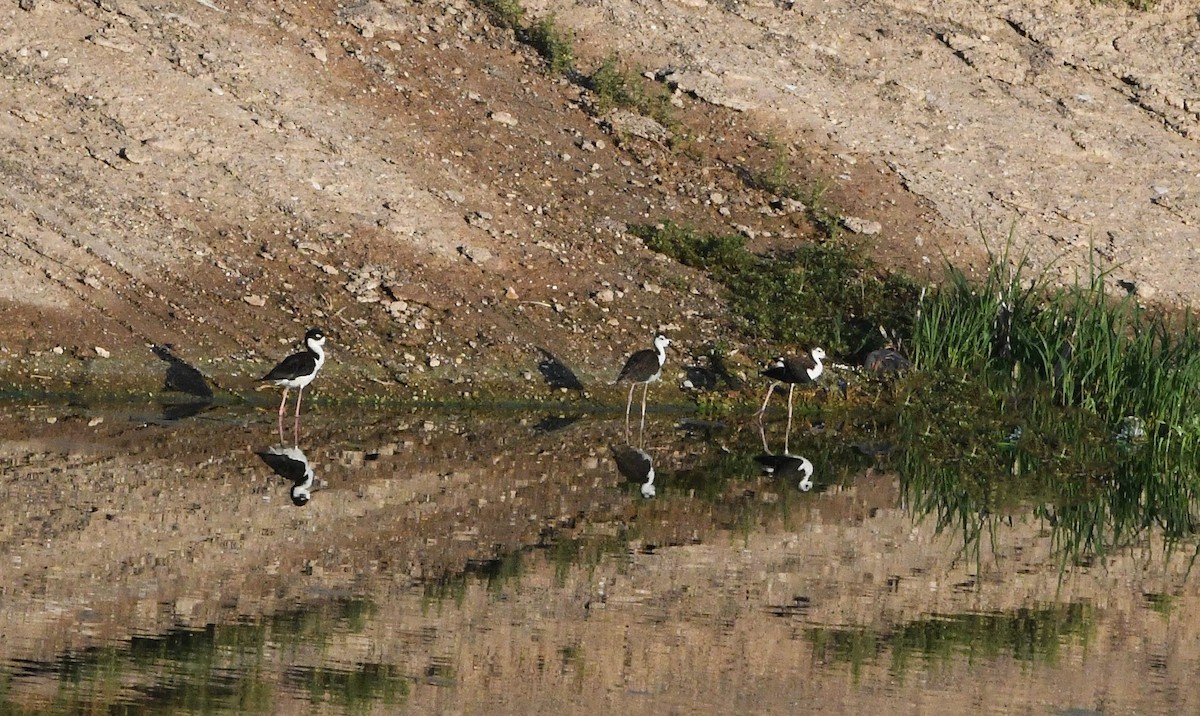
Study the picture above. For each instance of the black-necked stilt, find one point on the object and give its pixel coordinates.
(801, 369)
(645, 367)
(635, 465)
(297, 371)
(291, 463)
(786, 465)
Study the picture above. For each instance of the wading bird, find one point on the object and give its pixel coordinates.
(297, 371)
(643, 367)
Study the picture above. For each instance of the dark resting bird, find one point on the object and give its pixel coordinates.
(801, 369)
(645, 367)
(297, 371)
(886, 361)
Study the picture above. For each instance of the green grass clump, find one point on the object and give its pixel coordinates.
(617, 87)
(555, 45)
(506, 13)
(824, 294)
(1107, 355)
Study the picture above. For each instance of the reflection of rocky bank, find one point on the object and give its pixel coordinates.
(749, 614)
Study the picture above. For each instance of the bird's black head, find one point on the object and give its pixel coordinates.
(315, 334)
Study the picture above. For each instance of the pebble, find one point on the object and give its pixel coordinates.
(434, 362)
(255, 300)
(134, 155)
(102, 352)
(605, 295)
(503, 118)
(511, 293)
(477, 254)
(861, 226)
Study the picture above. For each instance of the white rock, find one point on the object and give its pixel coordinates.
(504, 118)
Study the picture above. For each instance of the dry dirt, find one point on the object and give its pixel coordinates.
(219, 176)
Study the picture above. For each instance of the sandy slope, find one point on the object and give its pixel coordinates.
(219, 177)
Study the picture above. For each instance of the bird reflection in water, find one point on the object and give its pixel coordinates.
(636, 466)
(292, 464)
(786, 465)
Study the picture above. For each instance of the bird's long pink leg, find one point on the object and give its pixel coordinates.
(645, 388)
(788, 432)
(282, 403)
(628, 406)
(763, 409)
(296, 427)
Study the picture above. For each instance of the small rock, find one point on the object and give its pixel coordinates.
(95, 421)
(624, 122)
(717, 198)
(102, 352)
(503, 118)
(605, 295)
(791, 206)
(651, 288)
(319, 53)
(134, 155)
(255, 300)
(861, 226)
(477, 254)
(397, 308)
(434, 362)
(511, 293)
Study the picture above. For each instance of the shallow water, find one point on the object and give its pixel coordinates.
(509, 563)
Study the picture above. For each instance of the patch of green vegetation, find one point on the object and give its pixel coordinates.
(506, 13)
(825, 294)
(618, 87)
(1106, 355)
(555, 45)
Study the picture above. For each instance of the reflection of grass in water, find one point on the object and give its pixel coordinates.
(221, 667)
(355, 690)
(964, 465)
(1034, 635)
(498, 573)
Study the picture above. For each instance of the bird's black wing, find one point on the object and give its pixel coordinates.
(294, 365)
(640, 366)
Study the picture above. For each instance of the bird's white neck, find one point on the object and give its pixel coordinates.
(661, 350)
(816, 370)
(316, 347)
